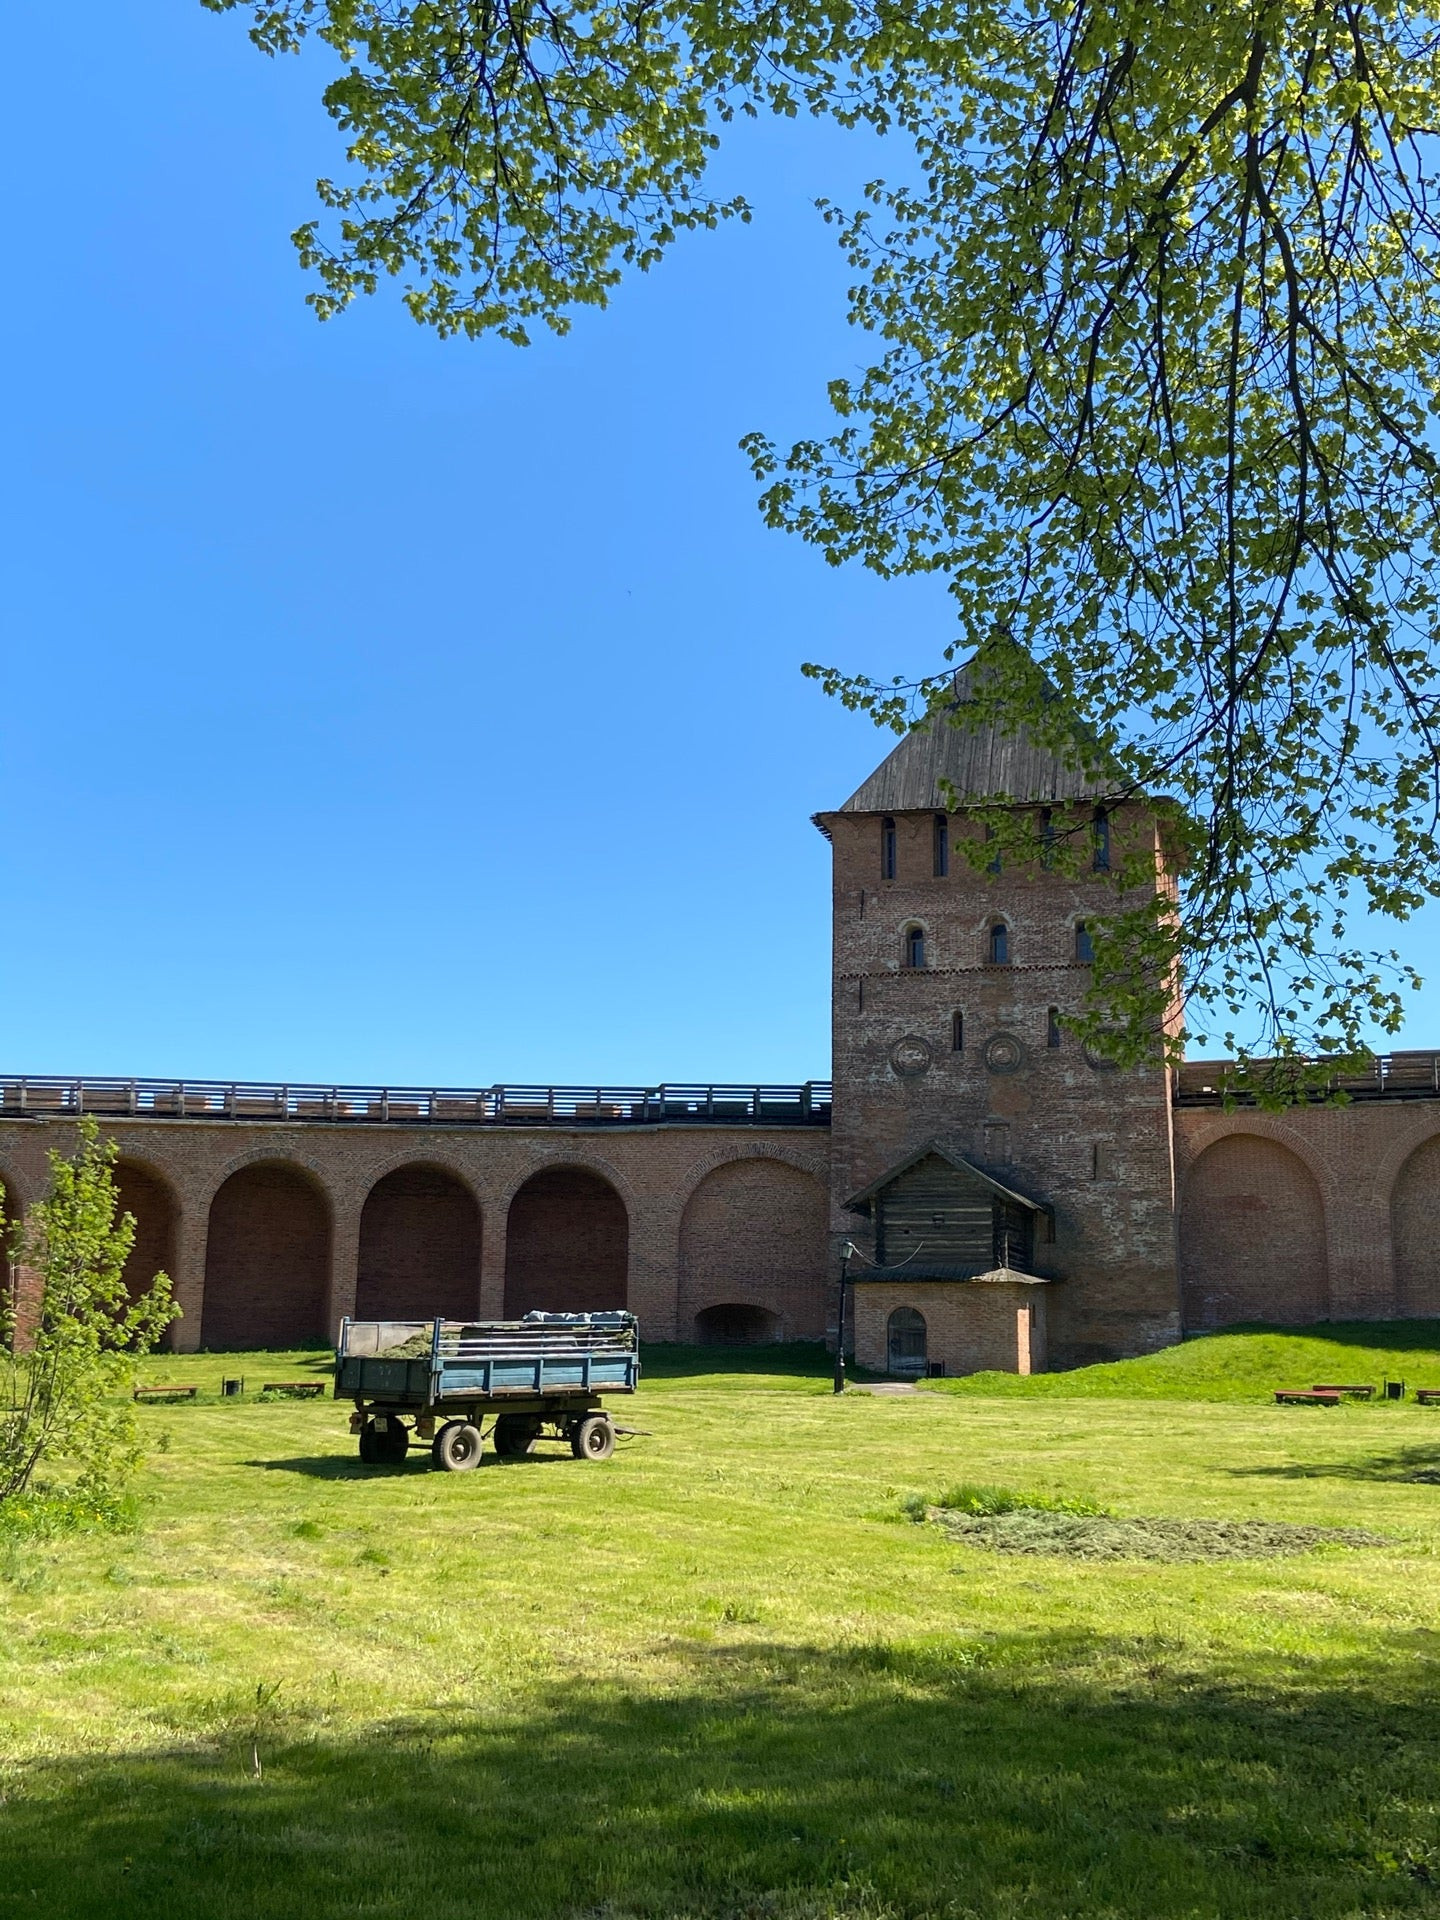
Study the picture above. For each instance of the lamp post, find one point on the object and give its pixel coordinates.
(845, 1253)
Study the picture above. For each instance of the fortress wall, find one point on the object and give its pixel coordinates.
(1318, 1212)
(264, 1258)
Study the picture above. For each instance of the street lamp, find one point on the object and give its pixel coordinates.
(845, 1253)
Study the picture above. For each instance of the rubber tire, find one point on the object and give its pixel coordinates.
(515, 1435)
(457, 1447)
(593, 1438)
(369, 1454)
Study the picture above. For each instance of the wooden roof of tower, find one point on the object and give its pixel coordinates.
(980, 762)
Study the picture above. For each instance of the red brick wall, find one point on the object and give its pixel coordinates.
(754, 1234)
(566, 1245)
(969, 1327)
(153, 1207)
(267, 1261)
(419, 1249)
(1252, 1236)
(1415, 1216)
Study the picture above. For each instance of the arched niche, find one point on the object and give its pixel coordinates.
(267, 1260)
(149, 1200)
(1252, 1237)
(567, 1245)
(1415, 1227)
(754, 1232)
(419, 1248)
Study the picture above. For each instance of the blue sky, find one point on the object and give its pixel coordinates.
(383, 709)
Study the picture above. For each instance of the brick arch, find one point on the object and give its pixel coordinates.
(285, 1156)
(1252, 1235)
(1415, 1229)
(594, 1163)
(147, 1195)
(754, 1233)
(19, 1287)
(267, 1258)
(419, 1252)
(567, 1243)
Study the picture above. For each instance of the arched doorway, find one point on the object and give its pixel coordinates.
(267, 1260)
(905, 1341)
(21, 1286)
(1415, 1226)
(419, 1248)
(731, 1325)
(148, 1198)
(1252, 1237)
(567, 1245)
(754, 1231)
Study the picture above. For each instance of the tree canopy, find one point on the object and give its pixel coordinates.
(1154, 384)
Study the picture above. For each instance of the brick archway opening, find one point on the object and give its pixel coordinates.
(267, 1260)
(734, 1325)
(21, 1286)
(419, 1248)
(1252, 1237)
(1415, 1226)
(567, 1245)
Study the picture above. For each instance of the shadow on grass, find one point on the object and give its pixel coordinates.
(1005, 1776)
(1421, 1464)
(799, 1359)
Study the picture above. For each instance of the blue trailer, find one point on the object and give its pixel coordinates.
(440, 1380)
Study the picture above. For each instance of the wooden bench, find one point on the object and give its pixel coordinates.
(1427, 1396)
(1306, 1397)
(297, 1389)
(166, 1393)
(1356, 1393)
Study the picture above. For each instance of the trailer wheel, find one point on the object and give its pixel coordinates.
(592, 1438)
(515, 1435)
(457, 1446)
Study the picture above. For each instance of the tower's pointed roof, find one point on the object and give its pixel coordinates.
(981, 759)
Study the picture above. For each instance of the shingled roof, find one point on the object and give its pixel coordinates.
(979, 760)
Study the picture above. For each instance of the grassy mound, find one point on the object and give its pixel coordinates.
(1242, 1363)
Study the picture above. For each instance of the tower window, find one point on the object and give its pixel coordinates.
(1100, 841)
(1052, 1027)
(1084, 945)
(942, 846)
(994, 864)
(999, 944)
(887, 849)
(914, 946)
(1047, 838)
(957, 1033)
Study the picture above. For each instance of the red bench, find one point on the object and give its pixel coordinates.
(165, 1393)
(1428, 1396)
(297, 1389)
(1357, 1393)
(1307, 1397)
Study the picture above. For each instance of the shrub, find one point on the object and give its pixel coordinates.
(82, 1333)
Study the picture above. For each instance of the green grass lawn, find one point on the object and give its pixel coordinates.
(723, 1675)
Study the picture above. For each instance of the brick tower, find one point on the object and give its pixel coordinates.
(973, 1138)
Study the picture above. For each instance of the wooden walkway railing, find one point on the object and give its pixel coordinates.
(54, 1096)
(1390, 1076)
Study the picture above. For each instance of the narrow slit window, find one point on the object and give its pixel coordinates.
(887, 849)
(942, 846)
(914, 946)
(1084, 945)
(999, 944)
(995, 862)
(1100, 841)
(957, 1033)
(1052, 1027)
(1047, 838)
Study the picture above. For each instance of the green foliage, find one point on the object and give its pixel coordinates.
(71, 1351)
(1155, 389)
